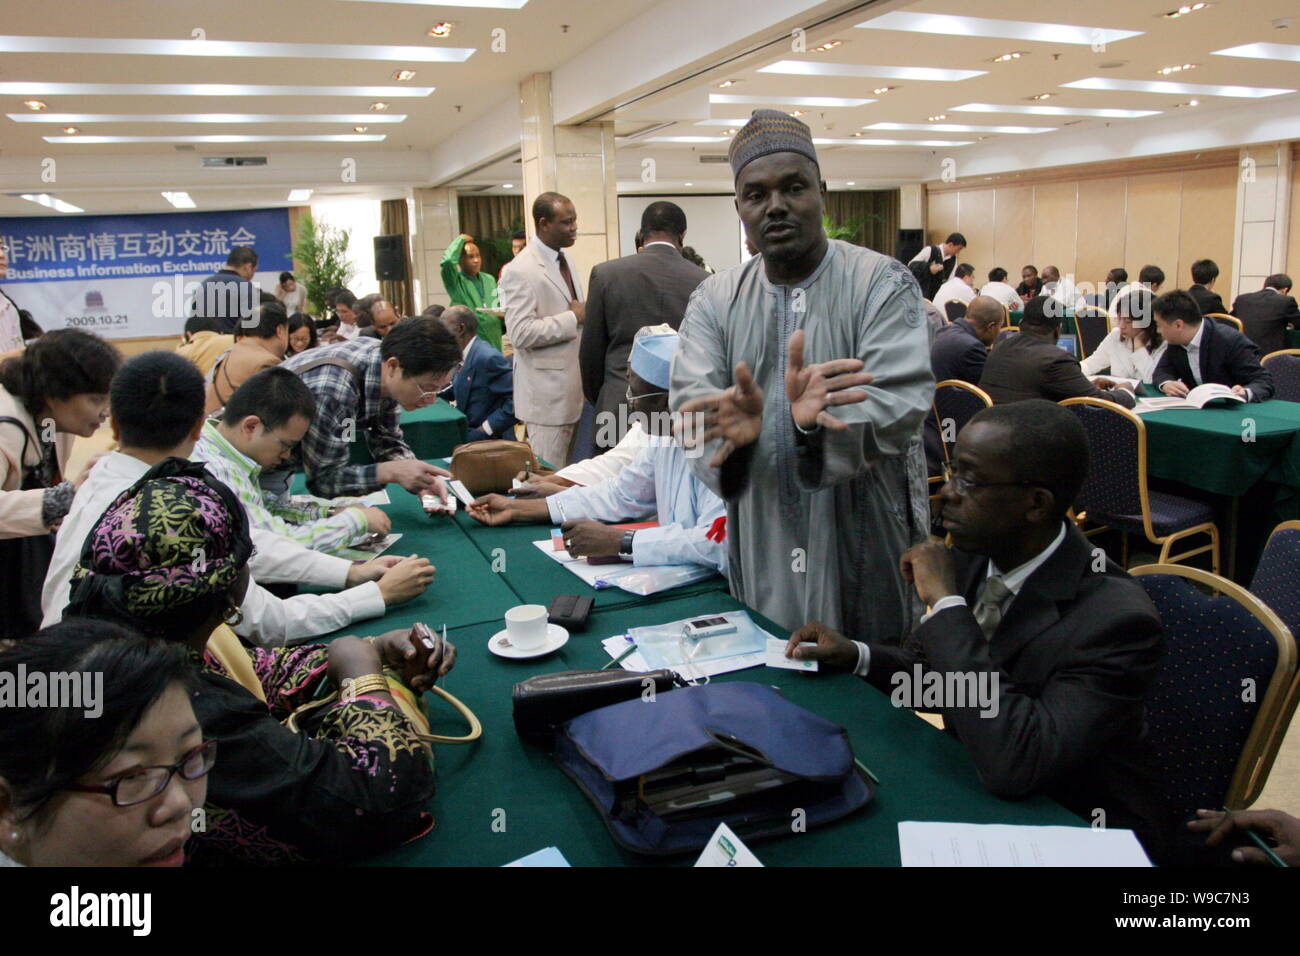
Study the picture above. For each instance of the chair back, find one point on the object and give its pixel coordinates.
(1231, 321)
(955, 403)
(955, 310)
(1117, 451)
(1284, 366)
(1093, 325)
(1221, 690)
(1277, 576)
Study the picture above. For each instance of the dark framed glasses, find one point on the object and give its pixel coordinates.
(964, 486)
(145, 783)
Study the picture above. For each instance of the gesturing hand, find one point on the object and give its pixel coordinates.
(734, 415)
(812, 389)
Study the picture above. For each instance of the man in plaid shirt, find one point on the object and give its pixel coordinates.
(260, 427)
(361, 388)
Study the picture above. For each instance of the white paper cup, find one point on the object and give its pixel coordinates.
(526, 626)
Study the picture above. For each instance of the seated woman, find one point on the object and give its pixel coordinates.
(1132, 348)
(169, 558)
(115, 778)
(302, 334)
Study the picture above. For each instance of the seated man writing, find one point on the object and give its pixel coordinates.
(1063, 644)
(261, 425)
(657, 483)
(1199, 351)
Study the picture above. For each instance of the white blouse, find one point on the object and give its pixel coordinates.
(1117, 354)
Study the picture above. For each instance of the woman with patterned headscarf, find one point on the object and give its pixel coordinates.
(169, 558)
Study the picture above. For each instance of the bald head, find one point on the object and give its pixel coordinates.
(985, 315)
(1051, 274)
(383, 316)
(461, 322)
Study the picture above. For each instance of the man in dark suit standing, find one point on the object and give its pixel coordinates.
(1268, 313)
(649, 287)
(933, 265)
(959, 351)
(1031, 365)
(1198, 352)
(1047, 651)
(484, 387)
(1204, 272)
(228, 296)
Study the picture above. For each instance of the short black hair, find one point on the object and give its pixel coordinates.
(964, 270)
(275, 395)
(997, 274)
(1043, 443)
(332, 295)
(1278, 280)
(689, 254)
(364, 304)
(1151, 275)
(663, 216)
(421, 346)
(285, 276)
(956, 239)
(1033, 269)
(1177, 304)
(344, 297)
(434, 310)
(1204, 271)
(1037, 318)
(519, 234)
(58, 365)
(242, 256)
(544, 205)
(157, 398)
(301, 320)
(1118, 274)
(44, 750)
(264, 322)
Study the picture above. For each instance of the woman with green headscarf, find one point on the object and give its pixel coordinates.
(169, 558)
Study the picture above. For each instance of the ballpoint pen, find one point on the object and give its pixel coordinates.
(621, 658)
(1258, 840)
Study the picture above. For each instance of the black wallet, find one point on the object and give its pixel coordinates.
(544, 702)
(570, 611)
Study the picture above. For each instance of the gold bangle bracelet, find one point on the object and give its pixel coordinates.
(354, 687)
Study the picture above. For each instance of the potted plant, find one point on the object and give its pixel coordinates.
(322, 252)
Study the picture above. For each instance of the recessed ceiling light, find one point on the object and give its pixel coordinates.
(1163, 86)
(507, 185)
(732, 131)
(478, 4)
(824, 101)
(798, 112)
(71, 130)
(154, 46)
(1008, 57)
(806, 68)
(378, 107)
(180, 200)
(1000, 29)
(49, 202)
(331, 138)
(938, 116)
(238, 118)
(727, 83)
(892, 142)
(958, 128)
(207, 89)
(442, 29)
(686, 139)
(850, 183)
(1053, 110)
(1178, 68)
(35, 105)
(1263, 51)
(882, 90)
(1184, 10)
(1040, 96)
(360, 129)
(855, 134)
(403, 75)
(688, 184)
(827, 46)
(728, 121)
(299, 195)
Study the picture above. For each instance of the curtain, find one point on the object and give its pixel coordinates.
(491, 220)
(874, 210)
(393, 220)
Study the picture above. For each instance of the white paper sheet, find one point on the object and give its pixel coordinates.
(726, 849)
(774, 656)
(366, 552)
(614, 646)
(590, 573)
(460, 491)
(999, 844)
(375, 499)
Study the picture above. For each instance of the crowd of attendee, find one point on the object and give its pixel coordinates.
(770, 411)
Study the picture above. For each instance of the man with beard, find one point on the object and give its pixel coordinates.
(805, 372)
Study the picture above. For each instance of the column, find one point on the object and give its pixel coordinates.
(1263, 212)
(435, 223)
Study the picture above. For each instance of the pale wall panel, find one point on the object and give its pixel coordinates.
(975, 216)
(1055, 223)
(1292, 265)
(1101, 228)
(1154, 220)
(941, 216)
(1209, 208)
(1013, 239)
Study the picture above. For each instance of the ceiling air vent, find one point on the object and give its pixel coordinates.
(228, 162)
(713, 159)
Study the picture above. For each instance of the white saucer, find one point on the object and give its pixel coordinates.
(556, 637)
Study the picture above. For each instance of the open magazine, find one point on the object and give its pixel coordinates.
(1198, 397)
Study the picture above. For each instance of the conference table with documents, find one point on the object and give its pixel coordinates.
(499, 799)
(432, 432)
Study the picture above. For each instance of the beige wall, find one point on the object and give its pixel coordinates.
(1089, 219)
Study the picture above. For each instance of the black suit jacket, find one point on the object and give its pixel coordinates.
(1227, 358)
(1076, 654)
(1024, 366)
(956, 353)
(624, 295)
(1206, 300)
(1265, 316)
(928, 282)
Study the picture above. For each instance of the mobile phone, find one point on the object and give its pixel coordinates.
(425, 642)
(434, 505)
(708, 627)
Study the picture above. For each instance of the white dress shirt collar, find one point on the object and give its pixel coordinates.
(660, 242)
(551, 256)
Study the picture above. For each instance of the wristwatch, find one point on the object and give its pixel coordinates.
(625, 549)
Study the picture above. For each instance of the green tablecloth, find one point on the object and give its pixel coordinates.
(1226, 451)
(432, 432)
(1293, 338)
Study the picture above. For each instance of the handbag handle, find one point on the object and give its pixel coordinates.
(475, 727)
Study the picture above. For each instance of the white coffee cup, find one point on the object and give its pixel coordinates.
(527, 625)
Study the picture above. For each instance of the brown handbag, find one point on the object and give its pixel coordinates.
(487, 467)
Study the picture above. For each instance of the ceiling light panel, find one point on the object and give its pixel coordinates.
(1106, 112)
(999, 29)
(1181, 89)
(958, 128)
(477, 4)
(205, 118)
(50, 202)
(157, 46)
(207, 89)
(1263, 51)
(891, 142)
(806, 68)
(734, 99)
(329, 138)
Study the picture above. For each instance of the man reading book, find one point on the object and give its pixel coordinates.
(1202, 350)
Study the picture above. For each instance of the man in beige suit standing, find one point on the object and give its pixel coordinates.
(542, 298)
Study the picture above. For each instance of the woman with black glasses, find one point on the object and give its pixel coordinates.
(109, 767)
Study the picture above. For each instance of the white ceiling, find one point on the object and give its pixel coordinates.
(126, 177)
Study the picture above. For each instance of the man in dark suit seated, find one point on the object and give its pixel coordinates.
(959, 351)
(1197, 352)
(1267, 314)
(1045, 651)
(1204, 272)
(1031, 365)
(484, 388)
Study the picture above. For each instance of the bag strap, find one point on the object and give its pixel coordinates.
(224, 645)
(27, 440)
(409, 704)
